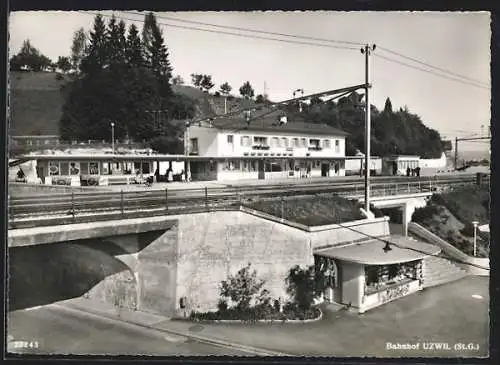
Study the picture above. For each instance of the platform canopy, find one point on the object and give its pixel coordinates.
(372, 252)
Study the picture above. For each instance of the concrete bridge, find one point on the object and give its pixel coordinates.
(151, 263)
(406, 202)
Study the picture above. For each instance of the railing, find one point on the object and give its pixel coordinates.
(74, 207)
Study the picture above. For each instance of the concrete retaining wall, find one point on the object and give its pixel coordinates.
(481, 265)
(329, 235)
(213, 246)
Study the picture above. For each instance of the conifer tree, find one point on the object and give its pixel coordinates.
(97, 57)
(134, 50)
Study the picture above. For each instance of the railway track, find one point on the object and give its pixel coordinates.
(64, 208)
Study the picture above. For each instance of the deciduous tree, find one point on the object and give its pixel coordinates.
(197, 79)
(246, 90)
(78, 48)
(64, 64)
(225, 89)
(206, 83)
(30, 58)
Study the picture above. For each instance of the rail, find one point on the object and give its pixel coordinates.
(65, 208)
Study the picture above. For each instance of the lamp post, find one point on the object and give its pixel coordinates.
(475, 223)
(113, 137)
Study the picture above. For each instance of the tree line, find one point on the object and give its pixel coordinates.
(394, 132)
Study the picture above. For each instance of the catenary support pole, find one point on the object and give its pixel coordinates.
(367, 51)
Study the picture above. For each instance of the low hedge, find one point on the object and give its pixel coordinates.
(260, 312)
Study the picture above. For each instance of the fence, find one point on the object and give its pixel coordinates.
(64, 208)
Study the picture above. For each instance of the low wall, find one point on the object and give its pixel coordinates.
(481, 265)
(333, 234)
(22, 189)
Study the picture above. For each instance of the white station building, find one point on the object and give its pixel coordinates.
(267, 147)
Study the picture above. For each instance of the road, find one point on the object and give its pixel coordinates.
(456, 314)
(62, 331)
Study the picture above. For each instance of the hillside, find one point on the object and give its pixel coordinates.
(449, 216)
(37, 99)
(36, 103)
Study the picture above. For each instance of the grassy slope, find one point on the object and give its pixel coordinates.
(36, 102)
(311, 211)
(448, 214)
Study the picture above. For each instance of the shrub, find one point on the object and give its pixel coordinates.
(422, 214)
(242, 288)
(468, 230)
(300, 285)
(217, 94)
(222, 305)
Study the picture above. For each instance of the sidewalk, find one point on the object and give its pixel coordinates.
(160, 323)
(445, 314)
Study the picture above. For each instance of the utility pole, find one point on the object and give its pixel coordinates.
(465, 139)
(456, 153)
(302, 94)
(187, 151)
(367, 51)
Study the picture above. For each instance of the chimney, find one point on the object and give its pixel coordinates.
(247, 115)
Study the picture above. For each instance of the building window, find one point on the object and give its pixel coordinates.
(337, 146)
(105, 168)
(296, 142)
(284, 142)
(260, 140)
(303, 142)
(53, 168)
(231, 165)
(245, 141)
(93, 168)
(194, 145)
(64, 166)
(274, 142)
(326, 143)
(84, 167)
(230, 139)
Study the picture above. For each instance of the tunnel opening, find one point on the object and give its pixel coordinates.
(44, 274)
(395, 215)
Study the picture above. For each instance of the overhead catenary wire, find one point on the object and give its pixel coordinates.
(320, 40)
(431, 66)
(252, 30)
(471, 81)
(284, 103)
(430, 72)
(386, 241)
(231, 33)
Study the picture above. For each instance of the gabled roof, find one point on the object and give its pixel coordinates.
(270, 121)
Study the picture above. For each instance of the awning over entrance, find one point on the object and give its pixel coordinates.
(372, 252)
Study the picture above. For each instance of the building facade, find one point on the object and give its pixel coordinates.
(264, 149)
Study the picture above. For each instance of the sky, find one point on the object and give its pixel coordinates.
(456, 42)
